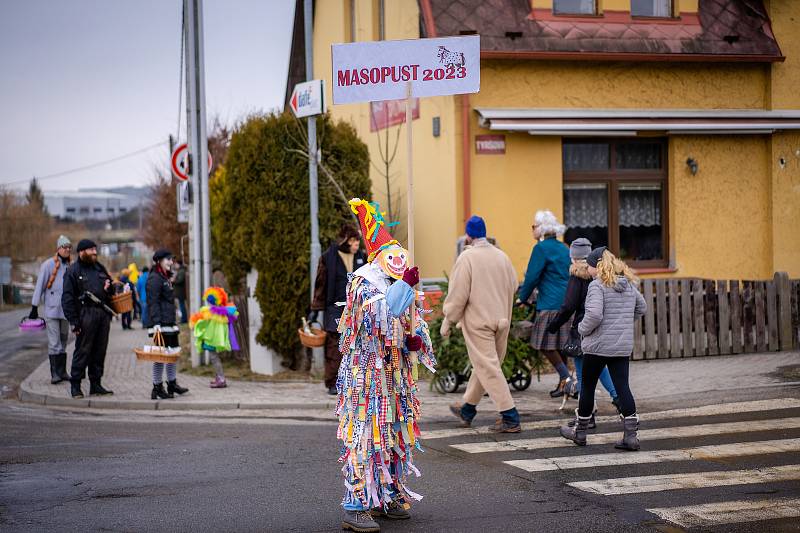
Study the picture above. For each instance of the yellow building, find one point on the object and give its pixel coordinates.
(667, 129)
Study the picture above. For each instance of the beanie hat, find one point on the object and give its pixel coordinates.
(160, 254)
(476, 227)
(594, 256)
(580, 248)
(85, 244)
(63, 240)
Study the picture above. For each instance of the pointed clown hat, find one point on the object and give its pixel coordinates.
(373, 226)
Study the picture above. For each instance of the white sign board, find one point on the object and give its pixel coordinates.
(182, 193)
(308, 99)
(380, 70)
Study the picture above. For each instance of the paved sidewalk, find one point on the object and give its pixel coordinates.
(698, 379)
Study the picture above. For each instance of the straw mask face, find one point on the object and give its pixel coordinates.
(393, 261)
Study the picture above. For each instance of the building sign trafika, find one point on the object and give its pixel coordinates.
(490, 144)
(381, 70)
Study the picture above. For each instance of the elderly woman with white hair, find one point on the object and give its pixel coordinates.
(548, 271)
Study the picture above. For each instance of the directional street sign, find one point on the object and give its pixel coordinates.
(308, 99)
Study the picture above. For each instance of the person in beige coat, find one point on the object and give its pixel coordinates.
(482, 289)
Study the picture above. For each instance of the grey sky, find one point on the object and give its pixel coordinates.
(83, 81)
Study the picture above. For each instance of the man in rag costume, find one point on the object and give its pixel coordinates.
(378, 407)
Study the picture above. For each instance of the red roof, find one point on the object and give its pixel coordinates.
(722, 30)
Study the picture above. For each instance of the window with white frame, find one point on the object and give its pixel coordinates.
(651, 8)
(574, 7)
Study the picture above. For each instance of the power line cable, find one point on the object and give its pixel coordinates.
(87, 167)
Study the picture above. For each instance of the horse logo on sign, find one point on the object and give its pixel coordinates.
(448, 58)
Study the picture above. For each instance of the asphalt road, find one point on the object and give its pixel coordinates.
(103, 471)
(20, 353)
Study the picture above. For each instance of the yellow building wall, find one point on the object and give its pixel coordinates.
(508, 190)
(786, 202)
(434, 160)
(721, 218)
(553, 84)
(785, 16)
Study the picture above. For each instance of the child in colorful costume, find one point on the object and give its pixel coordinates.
(378, 406)
(213, 329)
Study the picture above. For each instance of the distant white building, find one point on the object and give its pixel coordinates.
(92, 204)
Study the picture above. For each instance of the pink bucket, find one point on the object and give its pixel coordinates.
(28, 325)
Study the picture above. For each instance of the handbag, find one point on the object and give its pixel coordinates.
(572, 348)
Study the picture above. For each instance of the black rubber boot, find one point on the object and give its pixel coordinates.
(159, 393)
(61, 366)
(96, 389)
(174, 388)
(55, 377)
(75, 390)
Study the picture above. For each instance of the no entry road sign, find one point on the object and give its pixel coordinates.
(381, 70)
(179, 167)
(308, 98)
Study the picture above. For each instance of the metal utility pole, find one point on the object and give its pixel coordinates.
(313, 185)
(200, 231)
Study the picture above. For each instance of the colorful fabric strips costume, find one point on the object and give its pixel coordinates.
(213, 323)
(378, 406)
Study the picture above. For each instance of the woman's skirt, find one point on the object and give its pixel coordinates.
(541, 339)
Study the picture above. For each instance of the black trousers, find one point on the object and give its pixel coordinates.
(618, 367)
(333, 358)
(90, 345)
(126, 320)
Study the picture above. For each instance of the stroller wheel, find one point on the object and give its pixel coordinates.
(449, 381)
(521, 380)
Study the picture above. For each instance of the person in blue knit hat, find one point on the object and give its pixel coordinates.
(480, 296)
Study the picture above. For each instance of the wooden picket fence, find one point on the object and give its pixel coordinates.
(693, 317)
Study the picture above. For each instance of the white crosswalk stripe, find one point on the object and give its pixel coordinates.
(749, 456)
(646, 434)
(658, 456)
(708, 410)
(730, 512)
(695, 480)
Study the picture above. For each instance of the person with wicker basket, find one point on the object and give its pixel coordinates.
(161, 319)
(330, 288)
(382, 340)
(126, 286)
(48, 291)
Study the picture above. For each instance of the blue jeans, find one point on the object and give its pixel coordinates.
(605, 378)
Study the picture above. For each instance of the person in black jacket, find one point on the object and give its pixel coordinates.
(87, 289)
(161, 317)
(341, 258)
(574, 307)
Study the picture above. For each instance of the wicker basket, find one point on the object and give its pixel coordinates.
(315, 340)
(157, 357)
(122, 302)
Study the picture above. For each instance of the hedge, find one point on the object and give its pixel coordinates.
(260, 214)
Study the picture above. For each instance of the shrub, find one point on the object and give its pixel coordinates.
(260, 214)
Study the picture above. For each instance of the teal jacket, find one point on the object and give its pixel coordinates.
(548, 270)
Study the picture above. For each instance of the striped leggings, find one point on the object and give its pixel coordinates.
(158, 371)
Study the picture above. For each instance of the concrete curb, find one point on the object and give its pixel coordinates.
(26, 395)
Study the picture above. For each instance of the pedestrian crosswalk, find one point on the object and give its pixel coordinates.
(768, 455)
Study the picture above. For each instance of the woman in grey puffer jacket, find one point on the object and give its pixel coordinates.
(613, 303)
